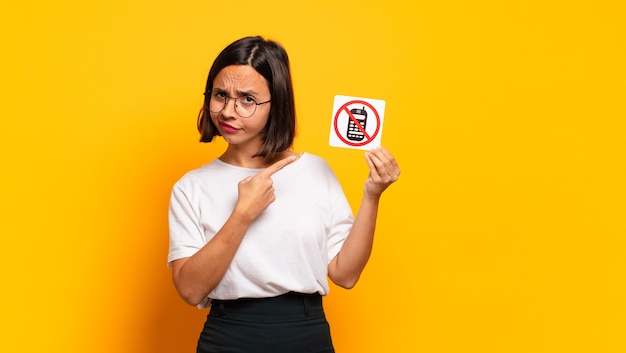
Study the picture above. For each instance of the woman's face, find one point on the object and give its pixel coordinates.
(246, 84)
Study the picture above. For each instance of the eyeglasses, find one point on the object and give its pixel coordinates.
(245, 106)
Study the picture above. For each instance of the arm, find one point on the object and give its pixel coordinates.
(196, 276)
(345, 269)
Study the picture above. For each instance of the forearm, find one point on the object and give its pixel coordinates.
(195, 277)
(346, 267)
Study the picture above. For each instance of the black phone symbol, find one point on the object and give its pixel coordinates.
(354, 132)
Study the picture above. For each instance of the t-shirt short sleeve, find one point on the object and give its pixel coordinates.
(186, 234)
(342, 217)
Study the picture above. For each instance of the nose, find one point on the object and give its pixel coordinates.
(229, 111)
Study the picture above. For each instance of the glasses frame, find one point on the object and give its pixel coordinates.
(226, 98)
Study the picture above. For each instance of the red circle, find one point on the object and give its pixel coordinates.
(359, 143)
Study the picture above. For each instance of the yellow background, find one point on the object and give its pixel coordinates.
(505, 233)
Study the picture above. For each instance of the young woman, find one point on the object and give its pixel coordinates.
(255, 233)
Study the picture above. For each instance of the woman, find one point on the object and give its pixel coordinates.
(256, 233)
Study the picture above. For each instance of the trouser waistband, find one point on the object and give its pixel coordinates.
(287, 307)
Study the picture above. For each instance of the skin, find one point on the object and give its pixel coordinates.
(196, 276)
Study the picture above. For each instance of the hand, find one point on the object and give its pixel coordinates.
(256, 193)
(384, 171)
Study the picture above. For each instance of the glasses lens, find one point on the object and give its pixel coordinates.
(216, 104)
(245, 106)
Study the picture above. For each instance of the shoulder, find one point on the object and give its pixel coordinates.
(311, 166)
(197, 175)
(312, 160)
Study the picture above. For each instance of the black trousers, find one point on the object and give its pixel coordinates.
(290, 323)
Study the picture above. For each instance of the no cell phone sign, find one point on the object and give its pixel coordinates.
(357, 122)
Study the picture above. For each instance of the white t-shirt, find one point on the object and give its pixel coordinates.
(288, 248)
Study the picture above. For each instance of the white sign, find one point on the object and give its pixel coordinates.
(357, 122)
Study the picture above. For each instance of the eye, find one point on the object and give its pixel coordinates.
(248, 100)
(219, 94)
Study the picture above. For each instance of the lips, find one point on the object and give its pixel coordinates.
(229, 129)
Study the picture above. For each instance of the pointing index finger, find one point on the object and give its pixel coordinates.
(278, 166)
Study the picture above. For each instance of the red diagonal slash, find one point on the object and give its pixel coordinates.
(357, 123)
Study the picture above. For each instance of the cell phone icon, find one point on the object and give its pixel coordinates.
(355, 133)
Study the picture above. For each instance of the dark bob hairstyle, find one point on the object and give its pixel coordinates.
(270, 60)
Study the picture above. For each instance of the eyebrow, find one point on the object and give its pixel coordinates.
(239, 92)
